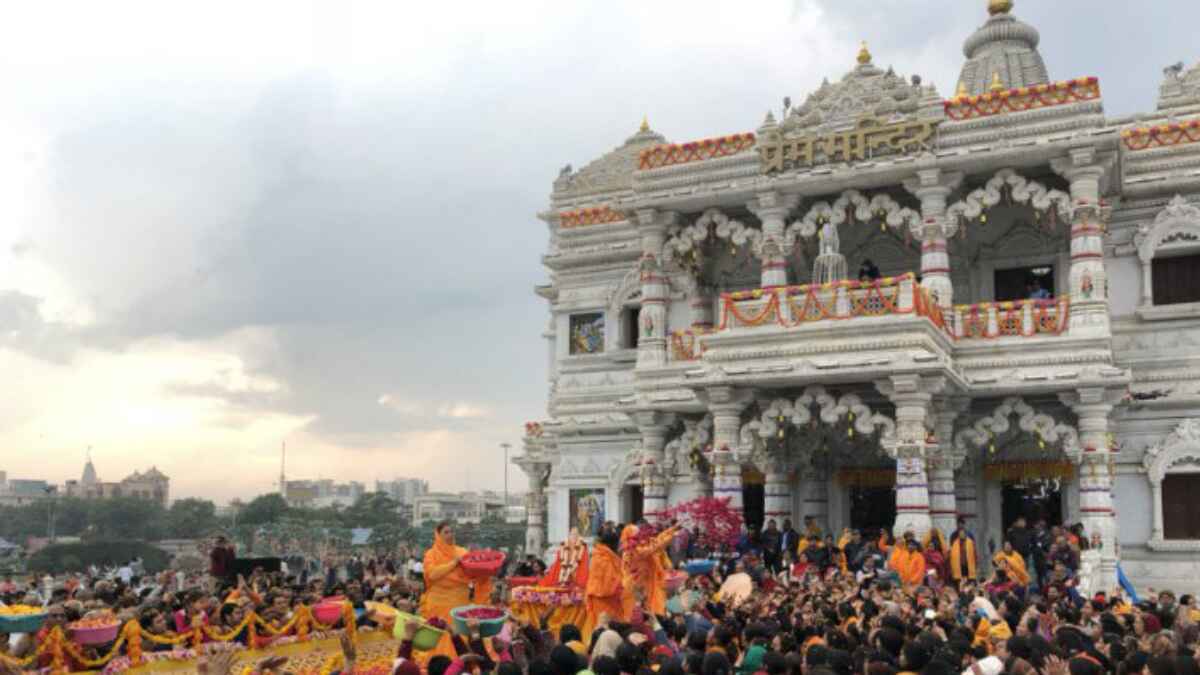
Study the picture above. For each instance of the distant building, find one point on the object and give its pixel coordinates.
(403, 490)
(151, 484)
(322, 493)
(18, 492)
(467, 507)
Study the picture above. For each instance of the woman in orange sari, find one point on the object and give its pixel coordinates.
(606, 592)
(646, 566)
(446, 584)
(906, 560)
(1012, 563)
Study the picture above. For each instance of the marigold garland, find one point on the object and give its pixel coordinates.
(686, 345)
(695, 151)
(1163, 135)
(1016, 472)
(1049, 317)
(1022, 98)
(594, 215)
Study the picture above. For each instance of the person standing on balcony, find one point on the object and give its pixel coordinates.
(868, 271)
(1034, 290)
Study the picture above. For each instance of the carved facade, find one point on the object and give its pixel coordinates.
(842, 316)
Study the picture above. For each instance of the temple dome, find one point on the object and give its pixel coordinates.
(612, 172)
(1004, 46)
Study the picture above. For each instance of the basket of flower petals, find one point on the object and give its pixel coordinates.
(491, 619)
(548, 596)
(675, 580)
(516, 582)
(97, 629)
(483, 563)
(21, 619)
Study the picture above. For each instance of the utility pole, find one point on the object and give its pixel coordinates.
(506, 446)
(282, 467)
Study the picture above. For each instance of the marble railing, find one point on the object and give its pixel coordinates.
(791, 306)
(1017, 318)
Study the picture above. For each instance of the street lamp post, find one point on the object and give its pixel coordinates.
(506, 446)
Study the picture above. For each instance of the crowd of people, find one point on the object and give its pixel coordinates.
(782, 602)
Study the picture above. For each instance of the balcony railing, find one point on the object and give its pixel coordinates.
(792, 306)
(1017, 318)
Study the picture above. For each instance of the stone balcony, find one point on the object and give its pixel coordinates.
(856, 331)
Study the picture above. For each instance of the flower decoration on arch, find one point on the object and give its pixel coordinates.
(1050, 204)
(684, 248)
(1052, 435)
(779, 416)
(854, 208)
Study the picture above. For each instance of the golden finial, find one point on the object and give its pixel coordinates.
(999, 6)
(962, 90)
(645, 125)
(996, 85)
(864, 54)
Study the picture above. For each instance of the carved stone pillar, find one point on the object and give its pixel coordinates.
(772, 209)
(652, 345)
(912, 396)
(537, 470)
(932, 187)
(1092, 405)
(702, 309)
(726, 405)
(1088, 280)
(966, 494)
(654, 427)
(777, 497)
(943, 499)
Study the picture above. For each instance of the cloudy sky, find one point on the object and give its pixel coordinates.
(225, 225)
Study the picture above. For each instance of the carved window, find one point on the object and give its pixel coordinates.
(587, 333)
(1176, 280)
(630, 327)
(1180, 503)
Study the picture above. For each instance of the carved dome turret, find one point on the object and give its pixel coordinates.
(865, 91)
(1004, 46)
(612, 172)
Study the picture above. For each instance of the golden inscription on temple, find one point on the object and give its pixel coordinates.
(871, 137)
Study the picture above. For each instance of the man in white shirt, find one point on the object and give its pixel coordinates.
(125, 573)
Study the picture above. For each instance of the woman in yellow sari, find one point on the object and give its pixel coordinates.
(646, 566)
(446, 584)
(1013, 564)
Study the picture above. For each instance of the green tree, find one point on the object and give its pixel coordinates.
(127, 518)
(263, 509)
(191, 518)
(370, 510)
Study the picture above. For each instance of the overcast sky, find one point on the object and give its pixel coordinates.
(224, 225)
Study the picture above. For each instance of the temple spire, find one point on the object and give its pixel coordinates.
(999, 7)
(645, 124)
(864, 54)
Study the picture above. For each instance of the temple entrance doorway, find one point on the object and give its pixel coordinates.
(872, 508)
(1033, 500)
(753, 498)
(632, 496)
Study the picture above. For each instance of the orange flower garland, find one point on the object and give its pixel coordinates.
(1022, 98)
(594, 215)
(695, 151)
(1163, 135)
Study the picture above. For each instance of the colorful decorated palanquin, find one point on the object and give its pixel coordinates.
(892, 304)
(303, 639)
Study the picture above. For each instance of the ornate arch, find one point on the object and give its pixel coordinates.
(712, 223)
(1021, 189)
(696, 437)
(1048, 430)
(799, 412)
(1178, 452)
(853, 207)
(1176, 229)
(629, 467)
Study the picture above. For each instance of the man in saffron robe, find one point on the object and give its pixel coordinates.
(570, 568)
(446, 584)
(936, 552)
(1013, 563)
(963, 558)
(606, 592)
(908, 562)
(646, 566)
